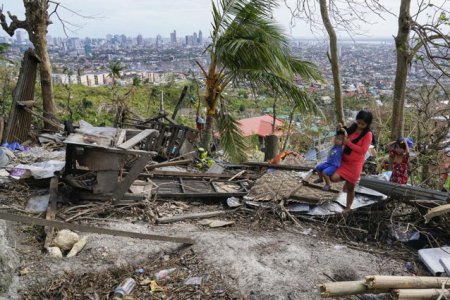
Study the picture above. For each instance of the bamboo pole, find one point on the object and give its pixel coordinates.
(347, 288)
(421, 294)
(406, 282)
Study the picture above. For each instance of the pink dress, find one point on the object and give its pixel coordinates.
(352, 164)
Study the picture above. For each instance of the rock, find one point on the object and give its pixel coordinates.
(77, 247)
(54, 252)
(65, 239)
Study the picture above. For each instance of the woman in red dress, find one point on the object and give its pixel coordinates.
(356, 145)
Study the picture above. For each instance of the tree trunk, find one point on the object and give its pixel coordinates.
(272, 147)
(291, 118)
(38, 20)
(334, 60)
(180, 101)
(207, 132)
(403, 59)
(274, 113)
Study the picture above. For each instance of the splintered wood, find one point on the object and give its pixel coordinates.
(280, 184)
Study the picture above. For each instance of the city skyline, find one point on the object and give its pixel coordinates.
(158, 17)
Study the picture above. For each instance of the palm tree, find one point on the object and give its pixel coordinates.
(114, 71)
(248, 46)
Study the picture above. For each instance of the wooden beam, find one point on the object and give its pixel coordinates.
(191, 216)
(92, 229)
(125, 184)
(169, 164)
(437, 211)
(121, 136)
(136, 139)
(280, 167)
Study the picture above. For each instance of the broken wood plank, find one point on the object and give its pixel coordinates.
(169, 164)
(281, 167)
(51, 211)
(92, 229)
(136, 139)
(203, 215)
(121, 136)
(437, 211)
(200, 195)
(157, 173)
(125, 184)
(237, 175)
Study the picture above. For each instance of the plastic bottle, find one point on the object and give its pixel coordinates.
(125, 288)
(164, 273)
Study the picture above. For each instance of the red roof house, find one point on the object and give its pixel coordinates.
(260, 126)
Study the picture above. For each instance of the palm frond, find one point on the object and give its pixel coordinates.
(233, 143)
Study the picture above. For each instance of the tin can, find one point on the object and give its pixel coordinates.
(125, 288)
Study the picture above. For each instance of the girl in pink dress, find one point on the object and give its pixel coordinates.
(399, 153)
(356, 145)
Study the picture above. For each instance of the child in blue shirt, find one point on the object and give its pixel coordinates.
(327, 168)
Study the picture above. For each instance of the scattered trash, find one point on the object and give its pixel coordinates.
(403, 233)
(39, 170)
(194, 280)
(14, 146)
(154, 287)
(430, 257)
(233, 202)
(125, 288)
(140, 271)
(163, 274)
(38, 204)
(409, 267)
(4, 158)
(66, 239)
(215, 223)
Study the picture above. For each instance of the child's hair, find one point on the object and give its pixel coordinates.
(401, 143)
(340, 135)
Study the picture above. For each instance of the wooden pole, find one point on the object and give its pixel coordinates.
(406, 282)
(421, 294)
(345, 288)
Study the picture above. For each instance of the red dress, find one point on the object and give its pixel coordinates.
(352, 164)
(399, 170)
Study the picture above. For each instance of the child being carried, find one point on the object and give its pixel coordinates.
(327, 168)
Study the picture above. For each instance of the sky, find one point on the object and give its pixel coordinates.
(153, 17)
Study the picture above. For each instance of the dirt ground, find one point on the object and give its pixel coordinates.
(241, 261)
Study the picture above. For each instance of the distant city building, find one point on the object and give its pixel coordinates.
(109, 38)
(200, 37)
(195, 38)
(123, 39)
(158, 41)
(173, 37)
(19, 38)
(140, 40)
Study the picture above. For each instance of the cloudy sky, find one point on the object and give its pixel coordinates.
(152, 17)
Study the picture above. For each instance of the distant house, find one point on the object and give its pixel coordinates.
(261, 126)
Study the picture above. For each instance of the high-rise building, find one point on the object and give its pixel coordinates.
(109, 38)
(158, 40)
(140, 40)
(195, 38)
(123, 39)
(200, 37)
(173, 37)
(19, 36)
